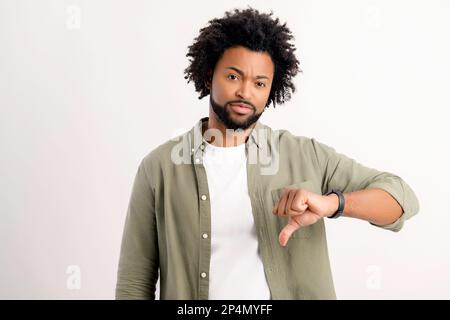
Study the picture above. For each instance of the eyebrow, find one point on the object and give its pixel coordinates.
(242, 73)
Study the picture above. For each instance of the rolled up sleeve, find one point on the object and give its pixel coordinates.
(138, 263)
(345, 174)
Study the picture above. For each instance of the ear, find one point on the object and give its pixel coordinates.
(208, 82)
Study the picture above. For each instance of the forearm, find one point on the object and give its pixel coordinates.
(373, 205)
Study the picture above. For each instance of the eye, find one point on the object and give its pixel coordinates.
(261, 84)
(232, 77)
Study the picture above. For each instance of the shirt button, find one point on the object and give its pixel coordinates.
(202, 147)
(205, 236)
(203, 275)
(203, 197)
(192, 150)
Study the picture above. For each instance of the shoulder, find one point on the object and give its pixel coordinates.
(163, 154)
(308, 147)
(287, 138)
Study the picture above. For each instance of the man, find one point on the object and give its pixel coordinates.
(233, 209)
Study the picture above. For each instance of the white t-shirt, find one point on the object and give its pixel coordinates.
(236, 270)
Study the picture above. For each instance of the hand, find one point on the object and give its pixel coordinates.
(303, 209)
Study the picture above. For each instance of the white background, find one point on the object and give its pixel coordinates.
(88, 88)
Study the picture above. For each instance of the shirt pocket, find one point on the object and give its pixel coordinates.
(303, 232)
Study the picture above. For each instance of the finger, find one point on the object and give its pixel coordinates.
(282, 203)
(306, 219)
(290, 198)
(294, 213)
(287, 231)
(277, 204)
(275, 208)
(300, 202)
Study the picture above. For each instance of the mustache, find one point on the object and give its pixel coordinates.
(242, 102)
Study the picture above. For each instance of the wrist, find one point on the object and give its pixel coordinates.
(333, 204)
(341, 203)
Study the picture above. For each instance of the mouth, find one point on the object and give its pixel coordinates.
(241, 108)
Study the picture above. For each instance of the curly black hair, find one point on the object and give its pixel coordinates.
(251, 29)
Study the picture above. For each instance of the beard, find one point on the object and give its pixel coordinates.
(224, 115)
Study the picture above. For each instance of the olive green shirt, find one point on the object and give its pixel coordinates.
(168, 222)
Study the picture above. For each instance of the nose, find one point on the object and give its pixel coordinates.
(244, 91)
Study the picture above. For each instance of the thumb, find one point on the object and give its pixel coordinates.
(287, 231)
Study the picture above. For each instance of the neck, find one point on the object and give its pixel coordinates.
(226, 138)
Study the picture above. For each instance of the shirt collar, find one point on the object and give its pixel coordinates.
(198, 142)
